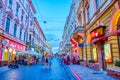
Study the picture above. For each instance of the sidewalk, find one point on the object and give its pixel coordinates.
(85, 73)
(4, 68)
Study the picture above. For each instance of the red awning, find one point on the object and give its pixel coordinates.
(118, 32)
(102, 38)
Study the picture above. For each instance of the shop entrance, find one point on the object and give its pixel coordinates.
(104, 65)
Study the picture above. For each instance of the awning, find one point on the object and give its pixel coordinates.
(102, 38)
(29, 52)
(118, 32)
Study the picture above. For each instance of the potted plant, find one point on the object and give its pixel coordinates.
(117, 63)
(91, 61)
(81, 60)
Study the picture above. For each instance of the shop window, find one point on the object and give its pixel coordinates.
(10, 3)
(7, 24)
(15, 29)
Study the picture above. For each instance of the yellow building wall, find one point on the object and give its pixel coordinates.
(105, 18)
(88, 53)
(81, 53)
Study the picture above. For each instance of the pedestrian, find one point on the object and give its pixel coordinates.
(68, 59)
(46, 59)
(43, 61)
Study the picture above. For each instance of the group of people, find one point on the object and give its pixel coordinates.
(46, 60)
(67, 59)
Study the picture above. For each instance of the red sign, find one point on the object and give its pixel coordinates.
(15, 45)
(97, 32)
(75, 44)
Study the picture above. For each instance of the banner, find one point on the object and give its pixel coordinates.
(107, 53)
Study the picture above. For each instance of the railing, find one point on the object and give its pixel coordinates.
(79, 28)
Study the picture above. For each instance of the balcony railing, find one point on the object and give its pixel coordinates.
(79, 28)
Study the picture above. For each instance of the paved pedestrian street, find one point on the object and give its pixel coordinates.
(36, 72)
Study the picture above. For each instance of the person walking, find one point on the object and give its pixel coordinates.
(43, 60)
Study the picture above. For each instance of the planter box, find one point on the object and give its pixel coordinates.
(82, 63)
(113, 73)
(93, 65)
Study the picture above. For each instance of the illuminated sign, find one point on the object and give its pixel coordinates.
(95, 57)
(107, 52)
(14, 45)
(97, 32)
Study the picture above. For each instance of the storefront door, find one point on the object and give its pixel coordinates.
(104, 66)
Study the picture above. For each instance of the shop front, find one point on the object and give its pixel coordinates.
(10, 50)
(98, 41)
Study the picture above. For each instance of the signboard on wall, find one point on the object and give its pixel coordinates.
(95, 56)
(97, 32)
(107, 53)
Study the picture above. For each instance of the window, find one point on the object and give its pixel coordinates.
(20, 33)
(26, 20)
(7, 25)
(10, 3)
(24, 36)
(15, 29)
(23, 1)
(30, 37)
(97, 4)
(22, 15)
(88, 13)
(17, 9)
(0, 12)
(27, 7)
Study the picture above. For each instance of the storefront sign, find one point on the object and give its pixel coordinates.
(95, 56)
(75, 44)
(107, 53)
(14, 45)
(97, 32)
(80, 45)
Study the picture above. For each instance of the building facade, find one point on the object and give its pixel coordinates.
(16, 21)
(101, 34)
(96, 34)
(70, 26)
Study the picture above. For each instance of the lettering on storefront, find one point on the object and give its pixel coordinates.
(97, 32)
(15, 45)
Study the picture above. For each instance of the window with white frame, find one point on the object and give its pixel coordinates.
(0, 12)
(15, 29)
(10, 3)
(20, 33)
(17, 9)
(88, 13)
(24, 35)
(22, 15)
(97, 4)
(7, 24)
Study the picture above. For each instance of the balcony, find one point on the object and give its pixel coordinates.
(79, 28)
(10, 12)
(13, 37)
(16, 19)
